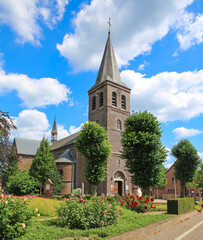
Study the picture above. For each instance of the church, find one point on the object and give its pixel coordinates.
(109, 105)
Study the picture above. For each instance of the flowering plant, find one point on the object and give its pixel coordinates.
(14, 217)
(86, 214)
(136, 203)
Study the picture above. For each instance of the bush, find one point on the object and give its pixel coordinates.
(86, 214)
(14, 217)
(22, 184)
(136, 203)
(180, 205)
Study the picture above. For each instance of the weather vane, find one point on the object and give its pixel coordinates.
(109, 22)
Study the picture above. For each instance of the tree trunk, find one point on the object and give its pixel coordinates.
(182, 194)
(94, 190)
(146, 191)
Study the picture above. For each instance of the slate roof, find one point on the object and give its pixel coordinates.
(64, 141)
(108, 70)
(26, 146)
(66, 157)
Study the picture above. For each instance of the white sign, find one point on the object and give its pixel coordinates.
(47, 186)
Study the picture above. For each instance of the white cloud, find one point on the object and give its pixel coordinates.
(191, 30)
(24, 16)
(34, 124)
(142, 66)
(182, 132)
(31, 124)
(169, 95)
(201, 155)
(168, 165)
(135, 28)
(34, 92)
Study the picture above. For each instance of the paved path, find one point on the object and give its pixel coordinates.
(190, 229)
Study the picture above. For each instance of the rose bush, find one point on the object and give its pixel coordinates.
(14, 217)
(86, 214)
(136, 203)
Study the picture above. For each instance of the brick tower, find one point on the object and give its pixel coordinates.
(109, 104)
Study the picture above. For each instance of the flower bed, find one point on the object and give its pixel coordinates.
(14, 217)
(136, 203)
(87, 214)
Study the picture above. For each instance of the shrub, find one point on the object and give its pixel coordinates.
(14, 217)
(136, 203)
(86, 214)
(22, 184)
(180, 205)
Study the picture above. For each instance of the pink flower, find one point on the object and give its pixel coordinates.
(22, 226)
(120, 210)
(82, 200)
(118, 215)
(104, 211)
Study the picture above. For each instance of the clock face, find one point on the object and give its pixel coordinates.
(118, 91)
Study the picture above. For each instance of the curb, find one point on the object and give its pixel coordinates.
(154, 228)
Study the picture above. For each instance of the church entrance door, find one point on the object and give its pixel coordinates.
(119, 183)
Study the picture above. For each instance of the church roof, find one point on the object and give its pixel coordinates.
(108, 70)
(66, 157)
(64, 141)
(26, 146)
(54, 128)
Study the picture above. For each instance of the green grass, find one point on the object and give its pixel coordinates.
(128, 221)
(159, 207)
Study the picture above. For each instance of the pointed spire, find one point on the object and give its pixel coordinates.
(108, 70)
(54, 131)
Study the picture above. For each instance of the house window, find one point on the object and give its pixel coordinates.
(119, 124)
(94, 103)
(171, 190)
(114, 99)
(123, 102)
(101, 99)
(61, 173)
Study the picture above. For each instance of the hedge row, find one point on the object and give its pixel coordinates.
(180, 205)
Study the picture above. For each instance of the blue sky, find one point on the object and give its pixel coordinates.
(50, 52)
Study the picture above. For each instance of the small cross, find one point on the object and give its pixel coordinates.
(109, 22)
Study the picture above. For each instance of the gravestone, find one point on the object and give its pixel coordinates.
(48, 188)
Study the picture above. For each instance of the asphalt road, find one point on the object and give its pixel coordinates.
(190, 229)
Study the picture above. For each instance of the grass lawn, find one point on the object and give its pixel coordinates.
(128, 220)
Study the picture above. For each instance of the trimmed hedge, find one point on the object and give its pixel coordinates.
(180, 205)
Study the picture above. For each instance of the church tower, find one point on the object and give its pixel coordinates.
(54, 132)
(109, 104)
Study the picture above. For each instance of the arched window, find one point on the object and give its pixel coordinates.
(101, 99)
(123, 102)
(119, 124)
(114, 99)
(94, 103)
(61, 172)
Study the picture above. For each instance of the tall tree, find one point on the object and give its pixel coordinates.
(44, 167)
(186, 163)
(8, 162)
(142, 149)
(92, 143)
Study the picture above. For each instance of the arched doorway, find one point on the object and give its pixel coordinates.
(119, 183)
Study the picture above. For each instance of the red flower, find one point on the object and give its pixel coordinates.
(140, 197)
(146, 207)
(141, 201)
(154, 206)
(147, 198)
(152, 199)
(129, 205)
(122, 203)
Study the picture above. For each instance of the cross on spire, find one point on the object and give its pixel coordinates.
(109, 22)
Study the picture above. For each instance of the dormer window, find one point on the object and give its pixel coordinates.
(123, 102)
(94, 103)
(119, 124)
(61, 173)
(101, 99)
(114, 99)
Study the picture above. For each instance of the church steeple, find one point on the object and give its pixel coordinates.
(54, 132)
(108, 70)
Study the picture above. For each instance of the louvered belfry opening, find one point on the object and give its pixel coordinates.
(123, 102)
(114, 99)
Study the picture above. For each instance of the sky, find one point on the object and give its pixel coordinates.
(50, 53)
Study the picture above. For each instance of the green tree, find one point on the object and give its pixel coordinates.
(8, 159)
(44, 167)
(186, 163)
(142, 149)
(92, 143)
(198, 179)
(21, 183)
